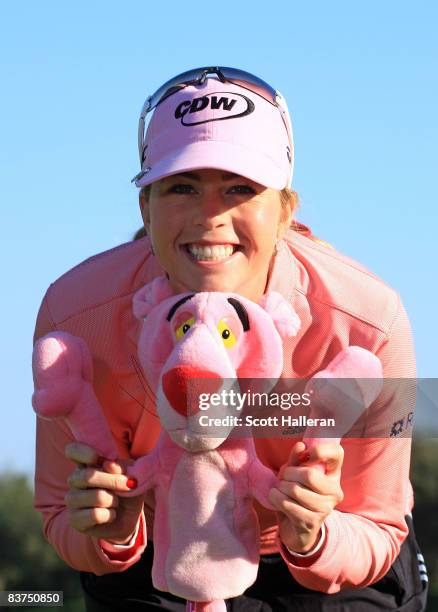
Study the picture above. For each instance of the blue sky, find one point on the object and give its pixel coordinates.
(361, 83)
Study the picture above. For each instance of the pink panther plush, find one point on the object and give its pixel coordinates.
(206, 535)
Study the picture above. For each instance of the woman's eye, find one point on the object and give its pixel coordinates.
(242, 189)
(181, 188)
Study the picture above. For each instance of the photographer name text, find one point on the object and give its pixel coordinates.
(270, 421)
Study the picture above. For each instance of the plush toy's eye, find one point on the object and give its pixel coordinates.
(184, 328)
(228, 337)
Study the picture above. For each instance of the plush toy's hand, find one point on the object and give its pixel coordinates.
(63, 374)
(62, 367)
(305, 496)
(94, 502)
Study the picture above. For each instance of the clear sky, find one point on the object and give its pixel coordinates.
(361, 83)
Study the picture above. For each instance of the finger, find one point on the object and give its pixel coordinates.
(82, 454)
(291, 509)
(113, 467)
(92, 478)
(90, 498)
(313, 479)
(87, 518)
(331, 455)
(322, 504)
(295, 452)
(116, 467)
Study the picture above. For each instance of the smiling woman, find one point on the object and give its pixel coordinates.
(215, 198)
(215, 231)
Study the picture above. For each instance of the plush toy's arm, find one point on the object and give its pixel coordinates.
(52, 469)
(63, 375)
(343, 391)
(261, 481)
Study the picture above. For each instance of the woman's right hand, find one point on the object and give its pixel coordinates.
(93, 504)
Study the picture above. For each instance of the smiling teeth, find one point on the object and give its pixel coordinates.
(211, 253)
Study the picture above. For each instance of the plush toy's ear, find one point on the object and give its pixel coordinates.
(284, 316)
(150, 295)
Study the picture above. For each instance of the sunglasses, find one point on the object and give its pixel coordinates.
(197, 76)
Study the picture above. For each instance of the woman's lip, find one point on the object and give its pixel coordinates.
(210, 243)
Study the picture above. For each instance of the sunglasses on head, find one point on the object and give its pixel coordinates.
(197, 76)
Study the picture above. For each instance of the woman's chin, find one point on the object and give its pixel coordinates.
(209, 281)
(231, 276)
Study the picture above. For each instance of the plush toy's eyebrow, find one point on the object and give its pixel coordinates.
(177, 305)
(241, 312)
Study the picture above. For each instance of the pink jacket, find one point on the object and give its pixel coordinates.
(339, 304)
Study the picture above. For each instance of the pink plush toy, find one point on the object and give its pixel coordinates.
(354, 378)
(206, 531)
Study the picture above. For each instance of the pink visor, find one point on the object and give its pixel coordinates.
(222, 126)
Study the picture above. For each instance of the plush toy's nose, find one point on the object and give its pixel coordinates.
(184, 384)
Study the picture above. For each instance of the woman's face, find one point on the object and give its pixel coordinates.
(214, 231)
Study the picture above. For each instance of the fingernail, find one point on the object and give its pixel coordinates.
(304, 457)
(131, 483)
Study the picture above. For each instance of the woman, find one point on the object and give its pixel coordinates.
(216, 165)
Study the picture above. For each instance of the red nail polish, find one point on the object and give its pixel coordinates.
(131, 483)
(304, 457)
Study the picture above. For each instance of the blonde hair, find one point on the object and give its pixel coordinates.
(289, 198)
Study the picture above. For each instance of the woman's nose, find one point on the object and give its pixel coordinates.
(211, 212)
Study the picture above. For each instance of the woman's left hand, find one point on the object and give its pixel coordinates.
(305, 496)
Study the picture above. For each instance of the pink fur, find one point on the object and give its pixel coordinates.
(344, 390)
(150, 295)
(63, 377)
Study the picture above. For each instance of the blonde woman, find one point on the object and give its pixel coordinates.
(215, 197)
